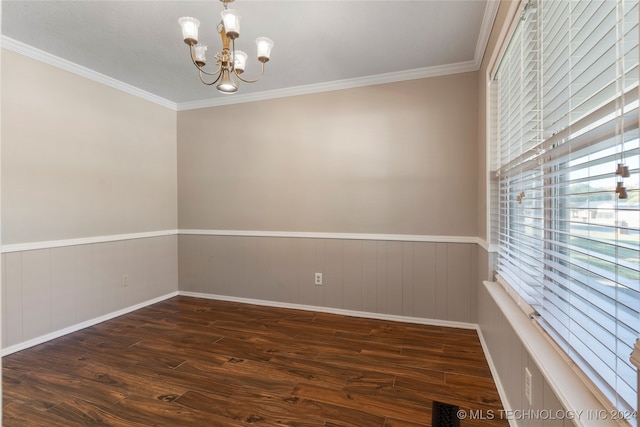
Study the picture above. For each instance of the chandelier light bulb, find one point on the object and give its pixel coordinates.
(189, 27)
(231, 22)
(239, 61)
(199, 53)
(264, 46)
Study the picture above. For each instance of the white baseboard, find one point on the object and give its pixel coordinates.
(74, 328)
(364, 314)
(321, 309)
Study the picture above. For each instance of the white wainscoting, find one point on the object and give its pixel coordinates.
(423, 279)
(78, 326)
(46, 291)
(51, 288)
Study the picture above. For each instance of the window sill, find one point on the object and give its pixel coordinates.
(571, 390)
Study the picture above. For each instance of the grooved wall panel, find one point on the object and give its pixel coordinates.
(407, 278)
(86, 297)
(369, 276)
(12, 298)
(36, 293)
(394, 277)
(105, 277)
(510, 357)
(442, 292)
(332, 275)
(352, 278)
(415, 279)
(47, 290)
(308, 262)
(63, 288)
(425, 273)
(459, 273)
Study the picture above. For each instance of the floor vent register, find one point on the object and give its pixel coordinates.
(444, 415)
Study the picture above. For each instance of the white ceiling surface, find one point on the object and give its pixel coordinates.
(319, 45)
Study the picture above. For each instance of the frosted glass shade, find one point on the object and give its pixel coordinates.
(231, 22)
(199, 53)
(264, 48)
(189, 27)
(239, 61)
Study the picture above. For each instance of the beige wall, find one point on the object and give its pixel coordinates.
(80, 159)
(397, 158)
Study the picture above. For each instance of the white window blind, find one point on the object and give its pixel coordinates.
(567, 108)
(519, 125)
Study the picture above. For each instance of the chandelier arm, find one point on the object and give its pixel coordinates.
(202, 70)
(233, 55)
(204, 81)
(254, 80)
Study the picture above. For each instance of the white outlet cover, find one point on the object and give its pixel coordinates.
(527, 385)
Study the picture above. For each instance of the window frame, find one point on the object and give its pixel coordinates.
(550, 173)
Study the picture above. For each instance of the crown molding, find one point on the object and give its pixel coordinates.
(42, 56)
(490, 13)
(414, 74)
(488, 19)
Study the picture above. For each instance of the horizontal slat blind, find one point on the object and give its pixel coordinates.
(519, 123)
(591, 294)
(567, 104)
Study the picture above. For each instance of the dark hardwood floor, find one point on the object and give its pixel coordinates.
(196, 362)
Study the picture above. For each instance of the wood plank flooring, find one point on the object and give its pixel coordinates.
(196, 362)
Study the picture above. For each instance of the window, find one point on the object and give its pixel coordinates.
(569, 244)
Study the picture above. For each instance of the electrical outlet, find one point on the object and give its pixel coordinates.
(124, 281)
(318, 279)
(527, 385)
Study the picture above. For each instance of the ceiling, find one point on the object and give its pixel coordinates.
(319, 45)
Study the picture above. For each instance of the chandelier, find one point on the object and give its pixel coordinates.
(230, 62)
